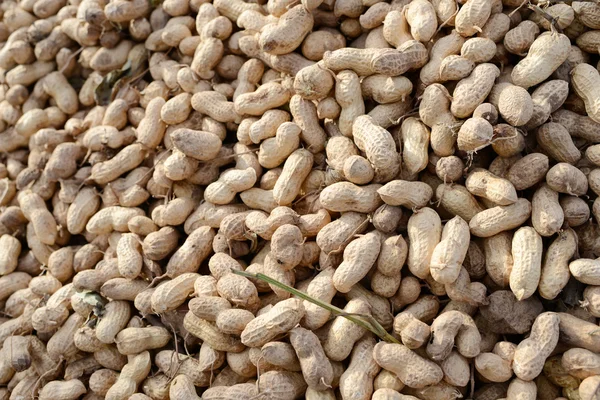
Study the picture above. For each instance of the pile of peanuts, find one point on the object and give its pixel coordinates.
(171, 170)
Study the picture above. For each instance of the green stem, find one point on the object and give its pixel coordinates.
(359, 319)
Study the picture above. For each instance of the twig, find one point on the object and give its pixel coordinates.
(365, 321)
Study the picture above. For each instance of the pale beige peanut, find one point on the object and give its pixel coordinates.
(379, 147)
(414, 145)
(276, 354)
(112, 218)
(576, 211)
(280, 319)
(208, 307)
(590, 300)
(305, 116)
(175, 212)
(374, 16)
(493, 367)
(61, 344)
(131, 375)
(295, 170)
(498, 257)
(239, 291)
(100, 137)
(475, 134)
(265, 225)
(346, 196)
(483, 183)
(44, 285)
(379, 305)
(520, 38)
(545, 55)
(343, 334)
(233, 321)
(282, 384)
(580, 363)
(10, 254)
(500, 218)
(449, 168)
(274, 151)
(528, 171)
(405, 193)
(313, 82)
(442, 48)
(471, 91)
(424, 233)
(453, 328)
(84, 206)
(547, 98)
(152, 128)
(386, 218)
(455, 67)
(359, 256)
(588, 389)
(387, 380)
(385, 114)
(520, 389)
(137, 340)
(396, 30)
(122, 288)
(456, 369)
(577, 125)
(35, 210)
(584, 78)
(411, 323)
(349, 97)
(547, 215)
(515, 105)
(527, 262)
(229, 184)
(384, 89)
(358, 170)
(207, 214)
(449, 254)
(68, 389)
(126, 160)
(172, 294)
(585, 270)
(116, 316)
(531, 353)
(565, 178)
(171, 363)
(289, 31)
(321, 288)
(457, 200)
(287, 246)
(392, 257)
(316, 368)
(409, 55)
(419, 374)
(56, 86)
(157, 245)
(465, 291)
(472, 17)
(556, 141)
(357, 380)
(196, 248)
(422, 19)
(129, 256)
(200, 145)
(268, 96)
